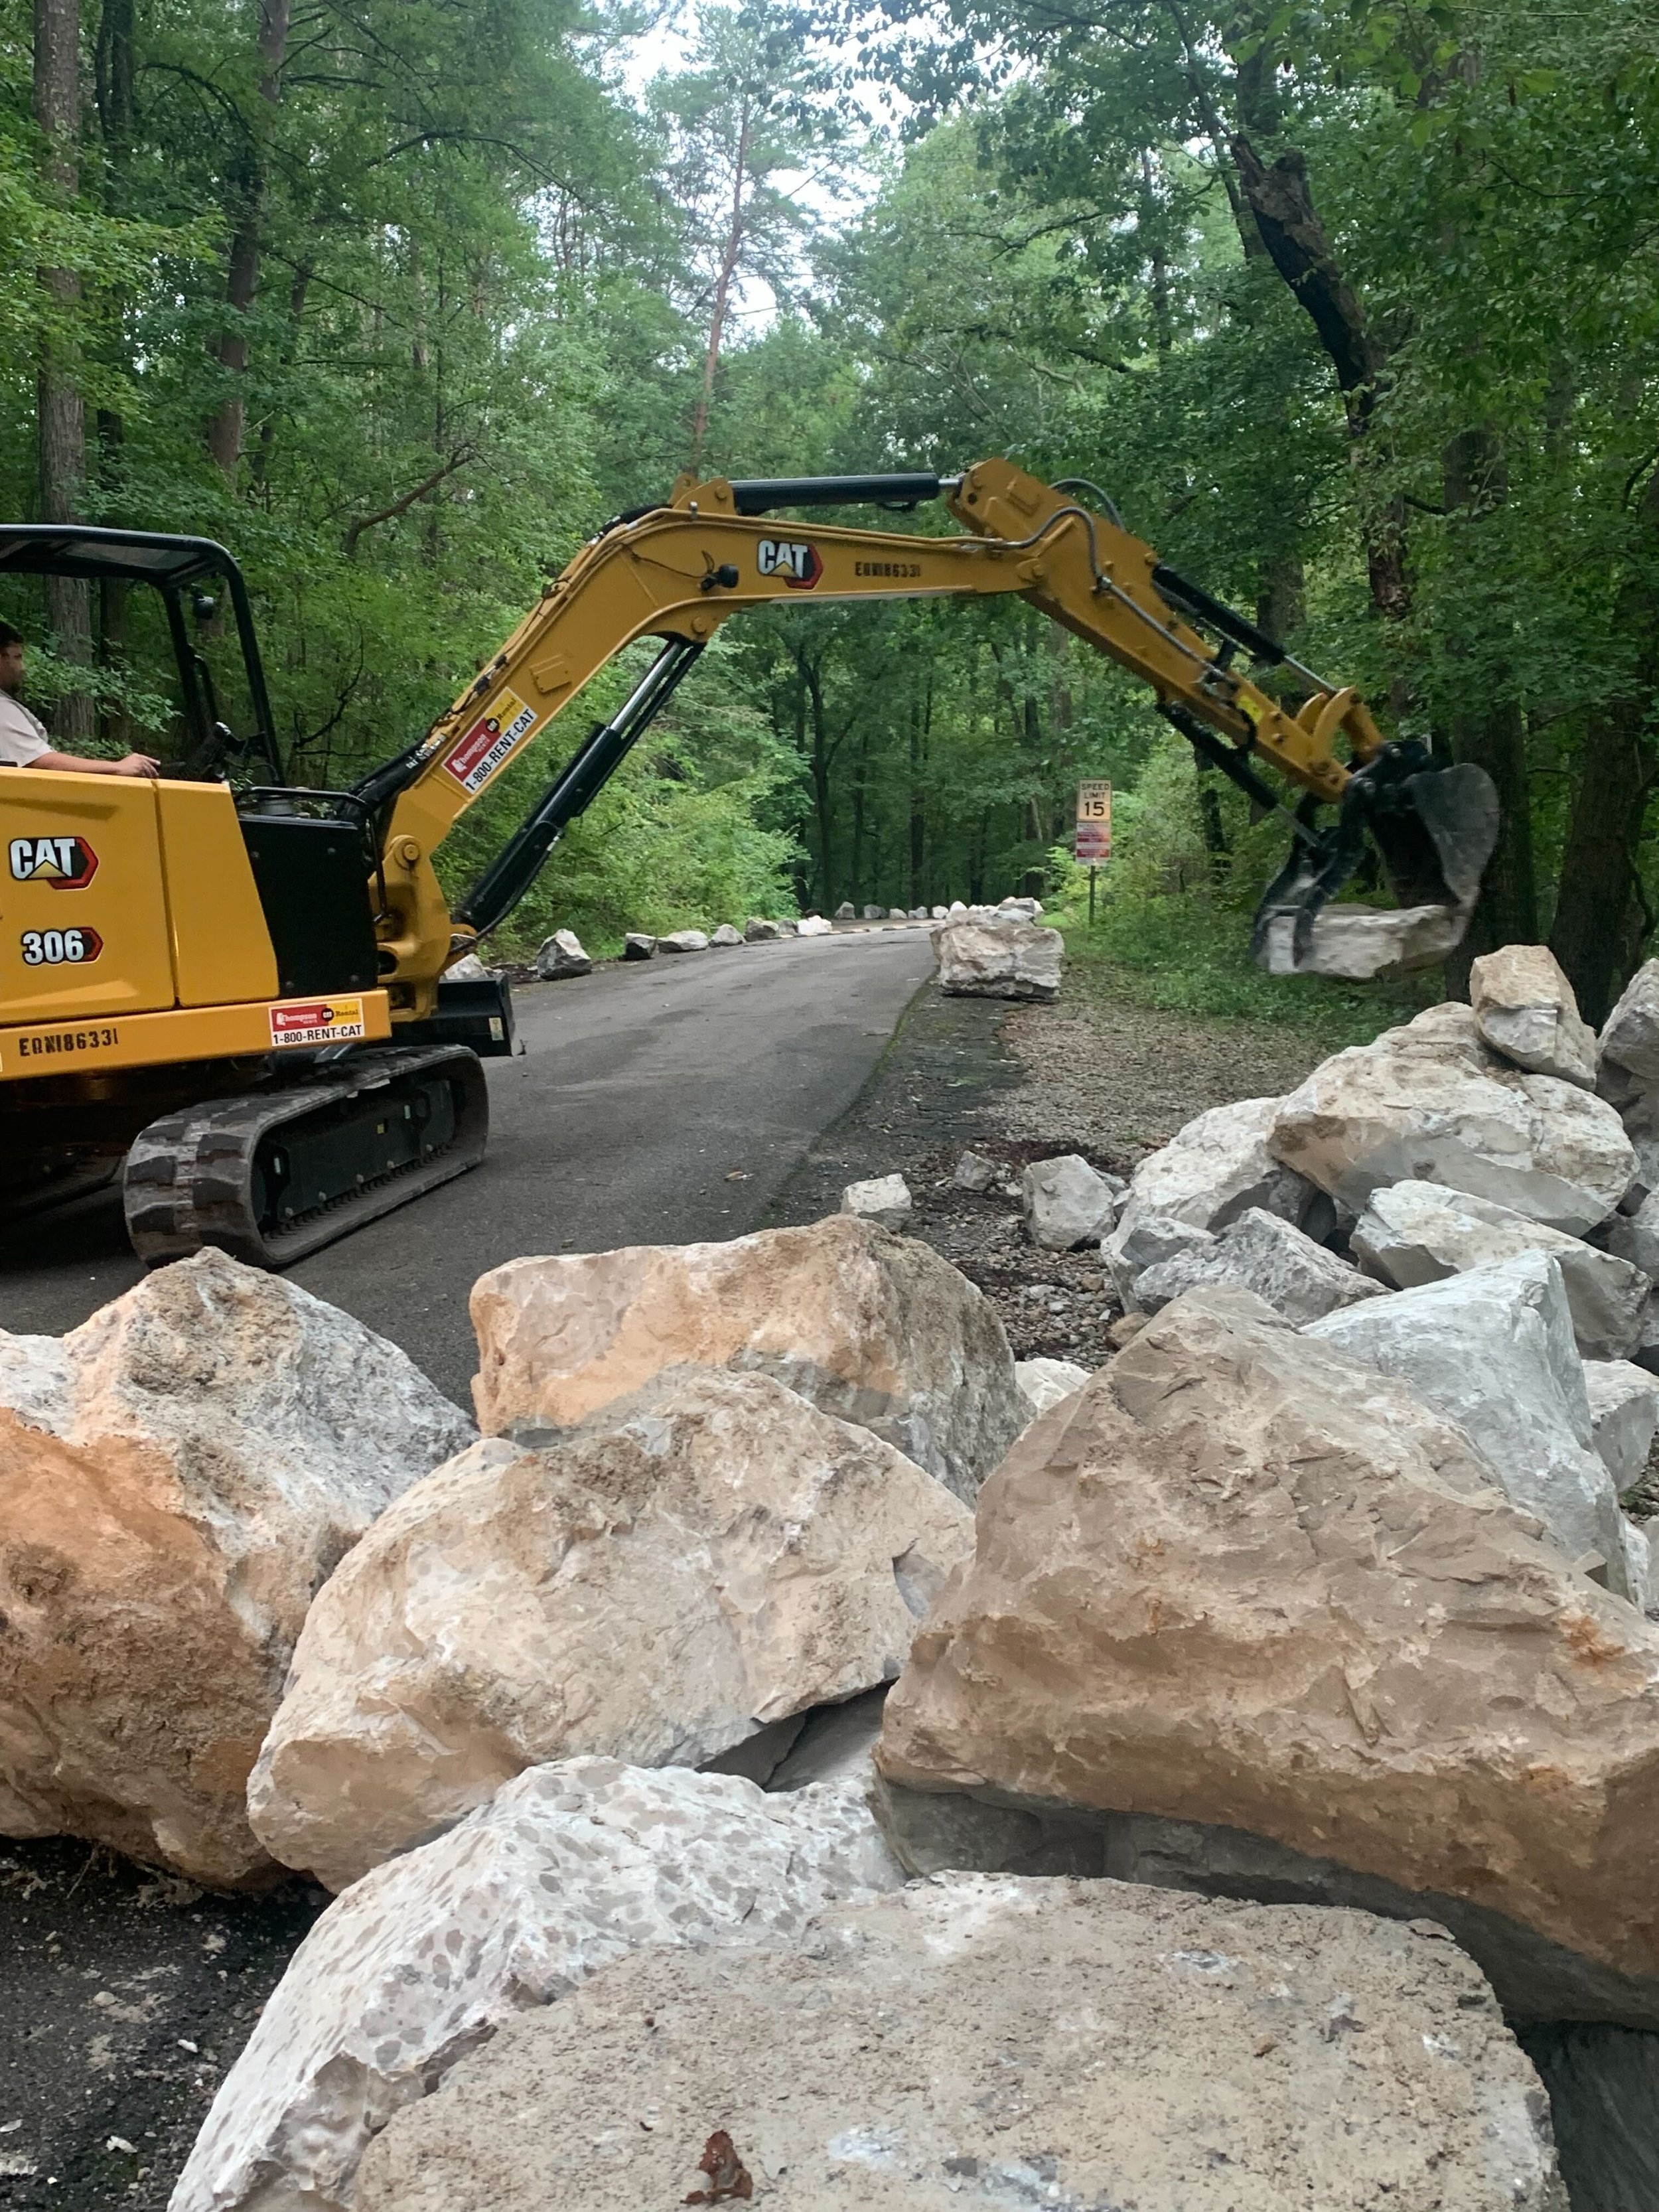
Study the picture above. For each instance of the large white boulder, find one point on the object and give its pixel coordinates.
(708, 1557)
(1217, 1167)
(1262, 1253)
(1356, 942)
(1492, 1349)
(1623, 1405)
(1430, 1102)
(1066, 1202)
(877, 1328)
(566, 1868)
(757, 930)
(1421, 1232)
(1630, 1035)
(1002, 2044)
(726, 936)
(814, 925)
(562, 954)
(1009, 958)
(684, 940)
(1524, 1008)
(178, 1477)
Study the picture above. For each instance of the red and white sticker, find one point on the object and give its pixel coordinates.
(317, 1020)
(490, 741)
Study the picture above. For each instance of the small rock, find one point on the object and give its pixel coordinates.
(975, 1172)
(638, 944)
(1046, 1382)
(1524, 1008)
(813, 925)
(758, 931)
(1624, 1404)
(844, 911)
(561, 954)
(1012, 959)
(1126, 1328)
(885, 1200)
(726, 935)
(1066, 1203)
(682, 940)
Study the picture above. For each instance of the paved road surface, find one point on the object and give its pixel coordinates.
(642, 1090)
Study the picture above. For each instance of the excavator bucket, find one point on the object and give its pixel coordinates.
(1435, 829)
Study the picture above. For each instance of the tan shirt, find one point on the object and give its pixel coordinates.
(23, 739)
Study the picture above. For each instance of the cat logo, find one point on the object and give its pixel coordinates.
(68, 864)
(797, 564)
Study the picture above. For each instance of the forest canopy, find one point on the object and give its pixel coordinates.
(1350, 306)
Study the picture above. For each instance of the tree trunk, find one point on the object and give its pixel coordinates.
(61, 418)
(1616, 775)
(822, 803)
(731, 253)
(225, 428)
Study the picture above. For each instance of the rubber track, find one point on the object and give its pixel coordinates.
(189, 1177)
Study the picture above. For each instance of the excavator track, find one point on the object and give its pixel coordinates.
(274, 1175)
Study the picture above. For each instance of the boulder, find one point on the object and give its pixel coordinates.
(178, 1477)
(1141, 1241)
(1010, 959)
(788, 926)
(638, 944)
(1639, 1567)
(1413, 1233)
(1524, 1008)
(1046, 1382)
(1630, 1035)
(956, 906)
(1262, 1253)
(1026, 906)
(885, 1200)
(561, 954)
(1257, 1596)
(1492, 1349)
(682, 940)
(567, 1868)
(898, 914)
(1356, 942)
(1429, 1102)
(918, 913)
(757, 930)
(873, 913)
(1624, 1409)
(704, 1558)
(873, 1328)
(1066, 1203)
(814, 925)
(1634, 1237)
(940, 913)
(1218, 1166)
(469, 969)
(1002, 2044)
(844, 911)
(726, 936)
(974, 1171)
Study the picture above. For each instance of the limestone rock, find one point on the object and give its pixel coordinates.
(940, 913)
(974, 1171)
(639, 944)
(1635, 1237)
(787, 926)
(898, 914)
(876, 1329)
(1005, 2044)
(1046, 1382)
(1624, 1408)
(1356, 942)
(469, 969)
(1010, 959)
(1066, 1203)
(1217, 1167)
(918, 913)
(875, 914)
(682, 940)
(844, 911)
(177, 1478)
(1639, 1568)
(885, 1200)
(1421, 1232)
(1492, 1349)
(758, 931)
(705, 1557)
(957, 906)
(814, 925)
(1426, 1104)
(1262, 1253)
(1140, 1241)
(1630, 1035)
(1524, 1008)
(567, 1868)
(561, 954)
(728, 934)
(1246, 1582)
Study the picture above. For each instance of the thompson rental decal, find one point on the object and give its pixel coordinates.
(68, 864)
(492, 737)
(797, 563)
(317, 1020)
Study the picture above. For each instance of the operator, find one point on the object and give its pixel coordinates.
(23, 740)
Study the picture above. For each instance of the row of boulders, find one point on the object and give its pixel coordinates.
(562, 954)
(958, 908)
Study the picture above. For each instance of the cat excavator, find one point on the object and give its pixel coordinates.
(235, 993)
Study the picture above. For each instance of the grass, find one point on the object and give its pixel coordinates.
(1187, 955)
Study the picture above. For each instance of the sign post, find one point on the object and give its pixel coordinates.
(1094, 831)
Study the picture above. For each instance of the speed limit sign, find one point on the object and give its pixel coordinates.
(1094, 822)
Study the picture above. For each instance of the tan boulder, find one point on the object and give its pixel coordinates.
(1242, 1580)
(1431, 1103)
(701, 1560)
(177, 1478)
(1524, 1008)
(872, 1328)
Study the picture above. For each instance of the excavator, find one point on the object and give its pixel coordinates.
(234, 993)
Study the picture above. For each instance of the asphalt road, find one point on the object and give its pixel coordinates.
(660, 1103)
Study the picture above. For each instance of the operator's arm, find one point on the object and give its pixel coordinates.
(72, 764)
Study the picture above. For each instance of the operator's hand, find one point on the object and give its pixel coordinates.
(137, 764)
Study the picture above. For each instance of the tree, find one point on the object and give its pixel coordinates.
(61, 416)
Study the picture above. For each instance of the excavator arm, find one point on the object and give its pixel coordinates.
(678, 571)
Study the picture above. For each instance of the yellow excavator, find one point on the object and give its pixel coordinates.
(234, 993)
